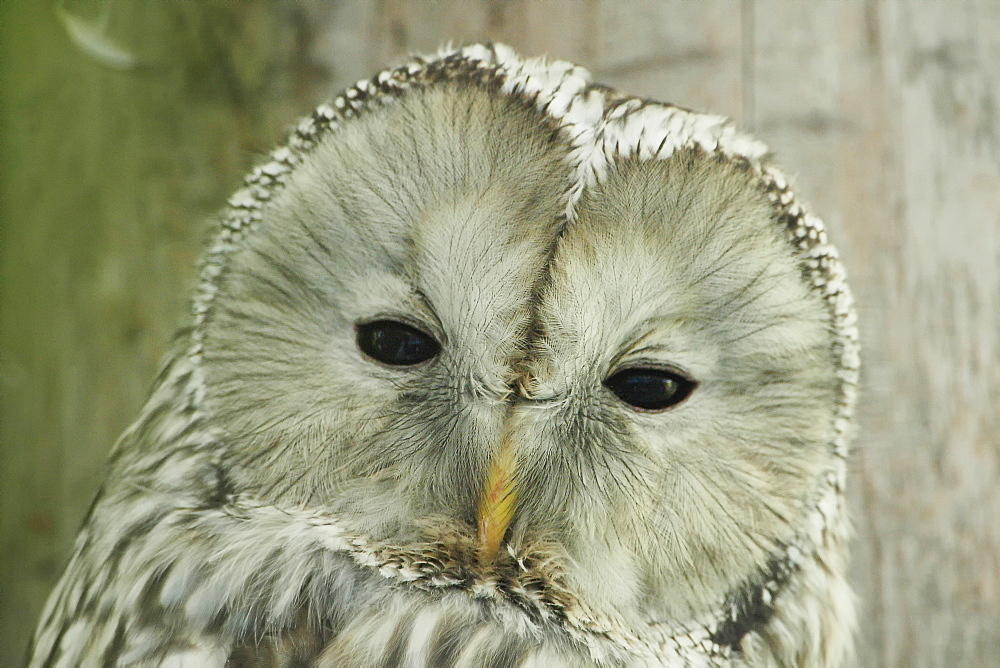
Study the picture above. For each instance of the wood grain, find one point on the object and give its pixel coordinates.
(888, 112)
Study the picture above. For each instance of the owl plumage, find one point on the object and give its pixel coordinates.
(489, 366)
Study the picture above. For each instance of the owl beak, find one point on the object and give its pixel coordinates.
(498, 502)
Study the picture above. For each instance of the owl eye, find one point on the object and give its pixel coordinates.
(396, 343)
(650, 389)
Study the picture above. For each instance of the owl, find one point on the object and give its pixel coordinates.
(489, 366)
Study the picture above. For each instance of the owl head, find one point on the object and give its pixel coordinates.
(470, 307)
(501, 325)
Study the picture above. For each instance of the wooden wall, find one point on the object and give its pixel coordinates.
(887, 111)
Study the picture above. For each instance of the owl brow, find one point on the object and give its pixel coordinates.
(423, 300)
(300, 219)
(311, 233)
(642, 332)
(776, 320)
(371, 183)
(323, 265)
(718, 265)
(755, 280)
(654, 349)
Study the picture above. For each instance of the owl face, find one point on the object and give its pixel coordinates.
(419, 335)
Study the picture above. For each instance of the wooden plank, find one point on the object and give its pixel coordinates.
(889, 114)
(688, 53)
(932, 480)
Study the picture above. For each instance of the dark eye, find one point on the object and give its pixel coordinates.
(396, 343)
(650, 389)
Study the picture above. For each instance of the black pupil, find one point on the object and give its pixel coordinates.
(396, 343)
(650, 389)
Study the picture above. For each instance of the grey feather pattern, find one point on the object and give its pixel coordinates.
(246, 521)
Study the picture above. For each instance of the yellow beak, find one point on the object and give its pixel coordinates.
(499, 500)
